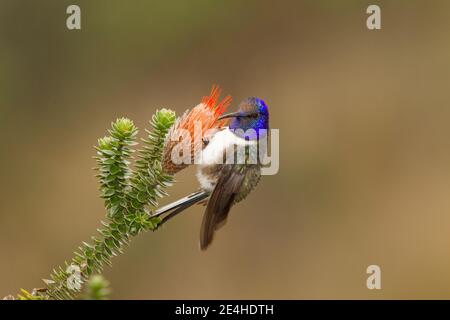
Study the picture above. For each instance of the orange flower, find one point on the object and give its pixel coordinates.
(203, 116)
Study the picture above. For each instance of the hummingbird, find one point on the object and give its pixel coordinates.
(224, 184)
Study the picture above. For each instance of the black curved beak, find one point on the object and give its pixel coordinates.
(236, 114)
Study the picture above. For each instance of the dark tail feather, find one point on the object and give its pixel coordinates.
(180, 205)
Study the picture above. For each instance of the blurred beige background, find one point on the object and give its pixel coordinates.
(365, 150)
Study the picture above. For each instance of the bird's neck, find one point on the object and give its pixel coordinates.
(249, 133)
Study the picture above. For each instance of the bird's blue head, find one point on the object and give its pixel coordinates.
(252, 114)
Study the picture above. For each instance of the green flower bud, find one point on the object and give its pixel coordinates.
(124, 127)
(105, 143)
(164, 117)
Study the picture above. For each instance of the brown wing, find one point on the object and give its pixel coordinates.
(220, 202)
(251, 179)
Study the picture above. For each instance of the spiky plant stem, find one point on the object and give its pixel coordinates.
(129, 196)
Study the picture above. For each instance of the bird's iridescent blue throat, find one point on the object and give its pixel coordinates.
(251, 120)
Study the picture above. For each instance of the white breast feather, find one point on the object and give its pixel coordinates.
(221, 141)
(214, 152)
